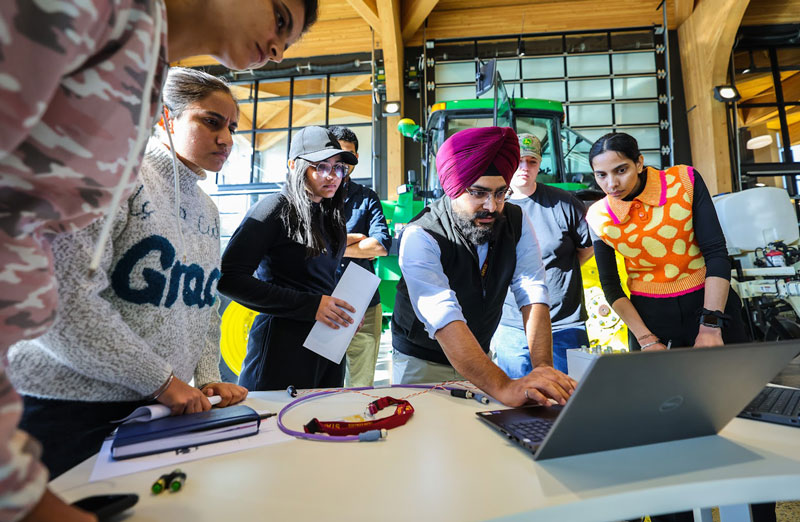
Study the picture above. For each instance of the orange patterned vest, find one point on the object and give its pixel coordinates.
(655, 234)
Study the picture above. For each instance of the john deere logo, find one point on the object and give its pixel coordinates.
(527, 142)
(671, 404)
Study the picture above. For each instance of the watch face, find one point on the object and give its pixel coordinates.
(709, 320)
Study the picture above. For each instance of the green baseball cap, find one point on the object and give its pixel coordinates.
(529, 145)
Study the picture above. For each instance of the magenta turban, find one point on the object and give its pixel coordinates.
(471, 153)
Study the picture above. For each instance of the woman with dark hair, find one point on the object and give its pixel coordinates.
(293, 242)
(146, 322)
(664, 225)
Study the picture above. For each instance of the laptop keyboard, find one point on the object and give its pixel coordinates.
(532, 430)
(779, 401)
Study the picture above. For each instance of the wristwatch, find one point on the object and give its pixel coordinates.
(713, 318)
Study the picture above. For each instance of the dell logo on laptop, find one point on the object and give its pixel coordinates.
(671, 404)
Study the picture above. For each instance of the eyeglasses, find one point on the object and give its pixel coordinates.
(482, 196)
(324, 169)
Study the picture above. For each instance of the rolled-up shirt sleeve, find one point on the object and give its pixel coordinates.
(529, 281)
(433, 300)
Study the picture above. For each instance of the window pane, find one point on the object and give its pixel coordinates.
(236, 170)
(270, 165)
(310, 86)
(542, 45)
(768, 133)
(589, 90)
(652, 159)
(535, 68)
(455, 73)
(625, 88)
(580, 115)
(647, 137)
(350, 109)
(625, 41)
(756, 86)
(583, 43)
(576, 157)
(231, 212)
(505, 47)
(455, 51)
(308, 111)
(596, 65)
(630, 63)
(360, 82)
(364, 168)
(455, 93)
(508, 69)
(627, 113)
(594, 134)
(545, 91)
(270, 115)
(788, 56)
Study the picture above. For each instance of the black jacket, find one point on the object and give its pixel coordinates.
(480, 298)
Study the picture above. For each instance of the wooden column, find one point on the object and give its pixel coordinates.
(706, 39)
(392, 44)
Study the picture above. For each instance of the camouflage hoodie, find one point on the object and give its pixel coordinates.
(79, 90)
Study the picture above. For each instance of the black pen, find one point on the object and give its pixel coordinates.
(263, 416)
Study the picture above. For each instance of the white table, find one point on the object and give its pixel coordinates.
(446, 465)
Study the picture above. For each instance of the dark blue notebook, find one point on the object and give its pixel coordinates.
(184, 431)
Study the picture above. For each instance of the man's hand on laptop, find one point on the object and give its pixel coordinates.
(539, 387)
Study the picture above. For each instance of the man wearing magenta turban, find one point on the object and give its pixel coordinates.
(458, 257)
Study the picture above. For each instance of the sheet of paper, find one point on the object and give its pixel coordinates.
(105, 467)
(155, 411)
(357, 286)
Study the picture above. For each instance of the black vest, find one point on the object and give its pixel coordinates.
(480, 298)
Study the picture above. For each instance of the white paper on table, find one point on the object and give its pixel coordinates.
(357, 286)
(155, 411)
(106, 467)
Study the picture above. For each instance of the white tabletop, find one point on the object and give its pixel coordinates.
(445, 464)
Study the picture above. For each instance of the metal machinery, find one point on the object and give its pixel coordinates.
(760, 227)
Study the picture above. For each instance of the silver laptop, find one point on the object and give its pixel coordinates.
(642, 398)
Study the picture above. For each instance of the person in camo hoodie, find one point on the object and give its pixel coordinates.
(79, 89)
(147, 319)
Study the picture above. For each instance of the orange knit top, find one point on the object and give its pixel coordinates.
(654, 233)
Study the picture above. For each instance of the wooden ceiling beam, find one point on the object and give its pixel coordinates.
(368, 10)
(682, 10)
(393, 59)
(772, 12)
(706, 40)
(414, 14)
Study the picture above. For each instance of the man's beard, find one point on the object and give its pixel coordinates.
(476, 233)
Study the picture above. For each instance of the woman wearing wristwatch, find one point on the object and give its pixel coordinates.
(664, 225)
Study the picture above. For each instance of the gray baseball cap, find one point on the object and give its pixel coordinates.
(318, 144)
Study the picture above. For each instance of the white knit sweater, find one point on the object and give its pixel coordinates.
(150, 309)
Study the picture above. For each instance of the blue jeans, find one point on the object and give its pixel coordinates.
(511, 349)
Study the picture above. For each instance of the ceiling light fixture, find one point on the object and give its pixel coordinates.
(726, 93)
(759, 142)
(391, 108)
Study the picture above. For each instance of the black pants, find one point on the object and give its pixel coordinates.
(676, 319)
(70, 431)
(276, 358)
